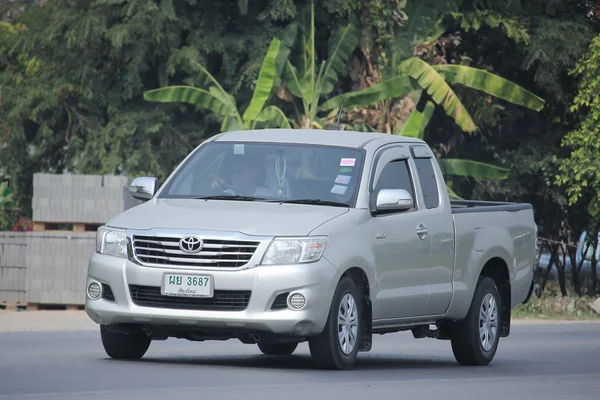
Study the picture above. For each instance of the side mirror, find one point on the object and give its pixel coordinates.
(143, 188)
(394, 199)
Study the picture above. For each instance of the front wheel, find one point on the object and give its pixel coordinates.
(124, 346)
(475, 339)
(337, 346)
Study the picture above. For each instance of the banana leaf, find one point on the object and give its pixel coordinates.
(491, 84)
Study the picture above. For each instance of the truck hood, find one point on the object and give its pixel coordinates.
(251, 218)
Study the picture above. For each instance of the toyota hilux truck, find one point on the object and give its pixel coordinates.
(276, 237)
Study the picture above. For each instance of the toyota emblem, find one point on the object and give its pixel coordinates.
(190, 244)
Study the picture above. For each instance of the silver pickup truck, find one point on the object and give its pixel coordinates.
(277, 237)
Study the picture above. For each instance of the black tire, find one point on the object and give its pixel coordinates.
(124, 346)
(466, 344)
(277, 349)
(325, 349)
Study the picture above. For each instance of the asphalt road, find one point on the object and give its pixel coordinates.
(549, 361)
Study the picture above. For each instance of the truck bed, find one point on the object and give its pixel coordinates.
(501, 233)
(475, 206)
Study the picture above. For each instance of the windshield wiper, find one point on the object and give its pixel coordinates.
(230, 197)
(313, 201)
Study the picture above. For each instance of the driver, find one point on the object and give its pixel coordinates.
(245, 178)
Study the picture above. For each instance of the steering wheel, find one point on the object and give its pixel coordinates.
(224, 186)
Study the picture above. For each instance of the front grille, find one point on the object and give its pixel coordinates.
(280, 302)
(165, 250)
(222, 300)
(107, 293)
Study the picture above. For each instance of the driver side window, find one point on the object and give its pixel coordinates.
(196, 180)
(395, 175)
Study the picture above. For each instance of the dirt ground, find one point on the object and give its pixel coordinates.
(60, 320)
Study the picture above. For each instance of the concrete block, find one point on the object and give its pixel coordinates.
(596, 306)
(88, 204)
(38, 260)
(93, 181)
(43, 203)
(67, 180)
(34, 286)
(60, 262)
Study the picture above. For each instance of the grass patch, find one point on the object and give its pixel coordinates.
(556, 307)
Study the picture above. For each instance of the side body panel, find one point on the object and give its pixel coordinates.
(409, 277)
(402, 256)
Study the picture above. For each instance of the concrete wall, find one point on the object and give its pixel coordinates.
(50, 267)
(44, 267)
(71, 198)
(13, 269)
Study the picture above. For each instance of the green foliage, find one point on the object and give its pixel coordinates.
(529, 142)
(475, 169)
(424, 24)
(435, 81)
(217, 100)
(6, 197)
(554, 46)
(7, 203)
(418, 121)
(580, 172)
(73, 80)
(474, 20)
(491, 84)
(390, 89)
(415, 127)
(439, 90)
(304, 77)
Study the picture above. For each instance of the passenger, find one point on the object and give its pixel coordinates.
(246, 178)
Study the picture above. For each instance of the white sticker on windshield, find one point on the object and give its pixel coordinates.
(339, 189)
(347, 162)
(238, 149)
(343, 179)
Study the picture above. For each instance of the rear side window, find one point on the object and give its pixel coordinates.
(428, 182)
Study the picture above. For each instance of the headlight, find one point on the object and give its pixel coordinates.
(294, 251)
(112, 242)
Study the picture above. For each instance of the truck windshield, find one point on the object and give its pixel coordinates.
(302, 173)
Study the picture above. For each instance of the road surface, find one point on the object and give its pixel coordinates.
(538, 361)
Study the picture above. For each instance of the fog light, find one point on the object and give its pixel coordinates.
(94, 290)
(297, 301)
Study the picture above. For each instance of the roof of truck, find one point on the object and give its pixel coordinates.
(312, 136)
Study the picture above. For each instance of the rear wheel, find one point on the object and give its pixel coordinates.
(337, 346)
(475, 339)
(277, 349)
(124, 346)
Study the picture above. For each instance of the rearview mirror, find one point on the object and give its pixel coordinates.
(394, 199)
(143, 188)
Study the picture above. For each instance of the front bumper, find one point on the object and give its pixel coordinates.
(315, 281)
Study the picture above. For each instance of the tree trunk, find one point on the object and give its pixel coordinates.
(560, 266)
(576, 268)
(593, 266)
(548, 269)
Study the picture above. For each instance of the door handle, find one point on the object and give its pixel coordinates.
(422, 231)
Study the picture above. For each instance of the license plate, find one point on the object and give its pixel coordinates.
(187, 285)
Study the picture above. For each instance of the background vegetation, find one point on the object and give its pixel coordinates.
(79, 87)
